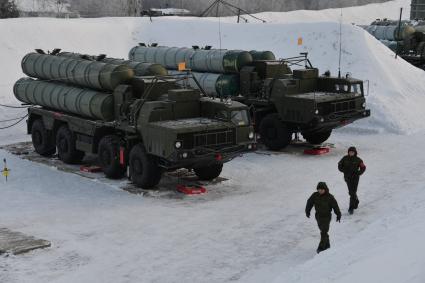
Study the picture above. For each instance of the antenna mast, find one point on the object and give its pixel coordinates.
(232, 8)
(398, 32)
(340, 45)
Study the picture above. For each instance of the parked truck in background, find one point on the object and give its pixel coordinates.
(284, 100)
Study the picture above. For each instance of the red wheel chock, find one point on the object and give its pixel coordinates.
(191, 189)
(317, 151)
(90, 169)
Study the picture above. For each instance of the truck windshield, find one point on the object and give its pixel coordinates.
(240, 117)
(222, 115)
(357, 88)
(341, 87)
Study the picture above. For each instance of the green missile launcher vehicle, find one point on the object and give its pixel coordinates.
(283, 101)
(296, 101)
(147, 125)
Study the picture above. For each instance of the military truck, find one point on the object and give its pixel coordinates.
(283, 101)
(148, 124)
(406, 38)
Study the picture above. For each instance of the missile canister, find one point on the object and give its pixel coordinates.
(84, 102)
(215, 84)
(420, 49)
(199, 60)
(139, 68)
(83, 73)
(390, 33)
(393, 45)
(420, 28)
(262, 55)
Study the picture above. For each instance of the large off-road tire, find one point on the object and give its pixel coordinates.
(210, 172)
(274, 133)
(42, 139)
(109, 157)
(144, 170)
(65, 142)
(317, 138)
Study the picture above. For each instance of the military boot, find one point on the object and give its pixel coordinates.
(321, 247)
(356, 204)
(327, 245)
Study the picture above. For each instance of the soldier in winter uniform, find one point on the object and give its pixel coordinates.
(352, 167)
(323, 203)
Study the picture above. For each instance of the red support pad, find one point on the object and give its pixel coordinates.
(191, 190)
(122, 156)
(317, 151)
(90, 169)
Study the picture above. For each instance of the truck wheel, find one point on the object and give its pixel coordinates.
(109, 157)
(144, 169)
(42, 139)
(274, 133)
(317, 138)
(65, 141)
(208, 173)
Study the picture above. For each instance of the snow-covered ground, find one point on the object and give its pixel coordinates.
(251, 228)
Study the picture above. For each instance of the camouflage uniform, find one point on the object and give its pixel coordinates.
(352, 167)
(323, 204)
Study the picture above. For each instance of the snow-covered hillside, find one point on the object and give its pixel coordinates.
(251, 228)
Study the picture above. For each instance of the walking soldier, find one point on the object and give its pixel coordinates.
(323, 203)
(352, 167)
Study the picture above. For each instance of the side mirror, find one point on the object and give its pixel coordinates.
(367, 87)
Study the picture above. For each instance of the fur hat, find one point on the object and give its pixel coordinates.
(322, 185)
(353, 149)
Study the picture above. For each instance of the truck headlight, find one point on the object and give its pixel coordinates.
(178, 144)
(364, 105)
(316, 112)
(251, 135)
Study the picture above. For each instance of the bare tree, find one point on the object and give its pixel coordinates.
(8, 9)
(59, 5)
(96, 8)
(42, 4)
(134, 7)
(99, 8)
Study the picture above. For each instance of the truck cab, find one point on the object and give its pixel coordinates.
(299, 101)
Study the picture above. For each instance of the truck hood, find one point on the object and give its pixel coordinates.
(326, 96)
(192, 125)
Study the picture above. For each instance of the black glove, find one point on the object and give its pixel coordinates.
(338, 218)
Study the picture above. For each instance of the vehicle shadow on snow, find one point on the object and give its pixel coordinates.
(167, 188)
